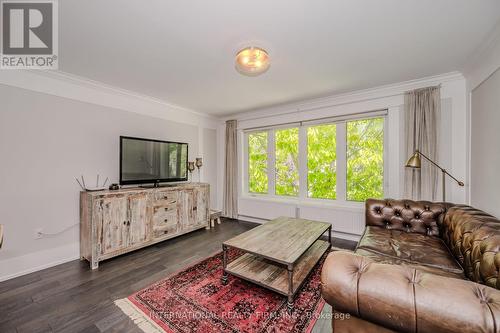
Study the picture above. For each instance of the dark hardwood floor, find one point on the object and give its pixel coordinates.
(72, 298)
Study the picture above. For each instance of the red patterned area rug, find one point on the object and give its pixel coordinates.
(194, 300)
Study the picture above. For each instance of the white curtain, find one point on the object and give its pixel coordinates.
(422, 114)
(231, 171)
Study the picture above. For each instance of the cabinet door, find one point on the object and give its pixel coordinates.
(202, 207)
(186, 205)
(138, 222)
(110, 217)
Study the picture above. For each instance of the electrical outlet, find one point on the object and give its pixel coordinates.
(38, 233)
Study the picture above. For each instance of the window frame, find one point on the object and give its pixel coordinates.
(341, 172)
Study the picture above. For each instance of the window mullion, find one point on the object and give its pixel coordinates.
(271, 162)
(246, 174)
(341, 161)
(391, 181)
(303, 162)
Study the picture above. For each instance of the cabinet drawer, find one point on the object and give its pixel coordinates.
(165, 209)
(165, 231)
(163, 218)
(167, 196)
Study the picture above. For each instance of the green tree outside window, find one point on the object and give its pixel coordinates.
(257, 162)
(322, 161)
(365, 159)
(287, 161)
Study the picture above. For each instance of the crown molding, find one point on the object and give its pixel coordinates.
(485, 60)
(74, 87)
(71, 86)
(350, 97)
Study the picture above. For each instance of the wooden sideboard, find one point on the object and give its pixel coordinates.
(116, 222)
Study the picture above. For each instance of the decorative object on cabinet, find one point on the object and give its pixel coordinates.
(113, 223)
(114, 187)
(199, 164)
(97, 187)
(191, 169)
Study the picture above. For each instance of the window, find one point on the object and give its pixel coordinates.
(287, 161)
(322, 161)
(342, 160)
(365, 159)
(257, 162)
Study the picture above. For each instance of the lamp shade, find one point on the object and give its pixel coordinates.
(414, 161)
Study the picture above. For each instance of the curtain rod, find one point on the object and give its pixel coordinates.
(354, 115)
(425, 88)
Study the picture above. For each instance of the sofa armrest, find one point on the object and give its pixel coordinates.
(405, 299)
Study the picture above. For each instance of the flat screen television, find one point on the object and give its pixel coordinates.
(145, 161)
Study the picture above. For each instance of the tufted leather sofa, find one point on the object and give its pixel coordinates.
(419, 267)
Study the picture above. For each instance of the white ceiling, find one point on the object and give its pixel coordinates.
(183, 51)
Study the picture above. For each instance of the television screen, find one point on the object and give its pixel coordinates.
(150, 161)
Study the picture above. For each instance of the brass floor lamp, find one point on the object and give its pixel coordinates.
(416, 163)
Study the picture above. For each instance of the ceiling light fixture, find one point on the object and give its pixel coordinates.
(252, 61)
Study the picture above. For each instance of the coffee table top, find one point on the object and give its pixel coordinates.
(283, 239)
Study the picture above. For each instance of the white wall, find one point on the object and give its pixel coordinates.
(483, 87)
(348, 220)
(209, 145)
(485, 154)
(48, 140)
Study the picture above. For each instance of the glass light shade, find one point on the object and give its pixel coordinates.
(199, 162)
(252, 61)
(191, 166)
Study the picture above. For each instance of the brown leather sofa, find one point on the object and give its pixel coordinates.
(419, 267)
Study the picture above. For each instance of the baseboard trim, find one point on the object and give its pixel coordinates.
(29, 263)
(336, 234)
(257, 220)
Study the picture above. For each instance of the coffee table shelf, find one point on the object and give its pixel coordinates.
(274, 276)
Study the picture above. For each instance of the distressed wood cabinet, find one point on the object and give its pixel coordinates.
(116, 222)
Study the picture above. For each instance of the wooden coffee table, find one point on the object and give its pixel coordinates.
(280, 254)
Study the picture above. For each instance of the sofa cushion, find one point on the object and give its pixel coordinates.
(384, 259)
(412, 248)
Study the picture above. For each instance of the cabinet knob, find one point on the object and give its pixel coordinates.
(128, 222)
(166, 208)
(195, 208)
(124, 222)
(166, 220)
